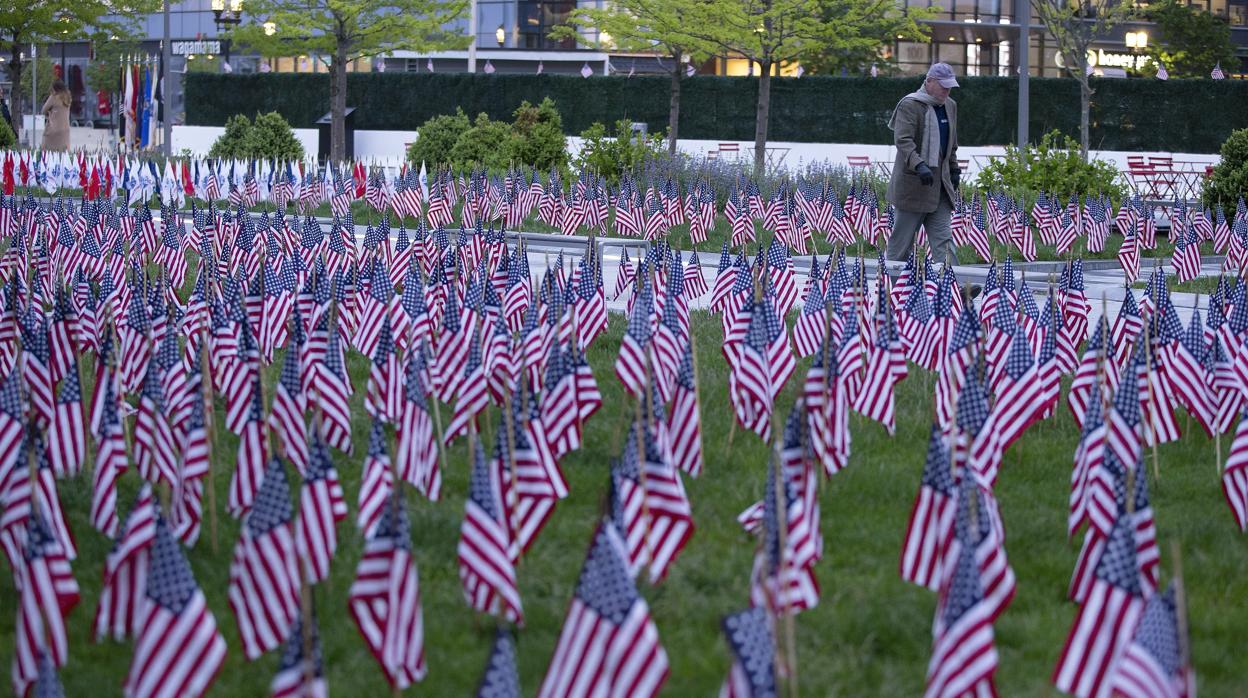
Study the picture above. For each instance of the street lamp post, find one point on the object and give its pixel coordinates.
(226, 14)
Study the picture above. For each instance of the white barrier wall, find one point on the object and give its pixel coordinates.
(388, 147)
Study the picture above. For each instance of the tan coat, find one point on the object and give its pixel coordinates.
(905, 191)
(56, 125)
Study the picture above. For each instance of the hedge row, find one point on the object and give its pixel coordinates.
(1176, 115)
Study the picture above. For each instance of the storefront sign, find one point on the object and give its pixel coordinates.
(1109, 59)
(192, 48)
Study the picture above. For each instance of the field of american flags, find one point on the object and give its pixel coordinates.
(870, 633)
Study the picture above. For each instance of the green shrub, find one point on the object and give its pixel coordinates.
(231, 143)
(269, 136)
(537, 136)
(1229, 180)
(7, 138)
(1053, 165)
(623, 151)
(486, 144)
(436, 138)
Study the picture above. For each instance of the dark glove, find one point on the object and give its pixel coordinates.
(955, 178)
(925, 174)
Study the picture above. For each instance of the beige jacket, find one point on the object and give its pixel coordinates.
(56, 125)
(905, 191)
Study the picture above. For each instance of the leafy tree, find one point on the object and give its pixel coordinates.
(41, 76)
(104, 70)
(1074, 24)
(1190, 42)
(645, 26)
(43, 21)
(340, 31)
(436, 137)
(773, 33)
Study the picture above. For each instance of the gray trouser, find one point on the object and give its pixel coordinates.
(936, 224)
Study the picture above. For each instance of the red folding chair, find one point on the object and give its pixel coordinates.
(859, 161)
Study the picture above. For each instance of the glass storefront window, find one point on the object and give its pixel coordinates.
(538, 17)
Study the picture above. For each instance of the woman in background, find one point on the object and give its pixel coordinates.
(56, 111)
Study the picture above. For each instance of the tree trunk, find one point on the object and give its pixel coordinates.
(673, 113)
(338, 103)
(1085, 106)
(760, 118)
(15, 88)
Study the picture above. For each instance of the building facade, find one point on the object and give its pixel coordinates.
(976, 37)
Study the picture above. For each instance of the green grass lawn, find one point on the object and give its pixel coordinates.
(1203, 285)
(870, 634)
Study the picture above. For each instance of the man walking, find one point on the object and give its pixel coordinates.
(926, 173)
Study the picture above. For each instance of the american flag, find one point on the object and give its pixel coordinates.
(931, 518)
(501, 678)
(385, 379)
(560, 412)
(473, 393)
(252, 454)
(1089, 455)
(178, 649)
(1017, 408)
(125, 571)
(289, 405)
(1093, 362)
(782, 579)
(609, 644)
(685, 423)
(886, 366)
(1127, 327)
(384, 599)
(1154, 664)
(1235, 475)
(47, 683)
(264, 574)
(753, 649)
(963, 654)
(377, 483)
(154, 444)
(46, 592)
(487, 550)
(417, 448)
(110, 453)
(1107, 619)
(301, 671)
(635, 359)
(1186, 375)
(332, 390)
(321, 506)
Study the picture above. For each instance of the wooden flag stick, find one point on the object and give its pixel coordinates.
(1180, 607)
(205, 379)
(782, 525)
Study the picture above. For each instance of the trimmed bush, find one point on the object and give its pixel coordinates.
(622, 151)
(231, 143)
(537, 136)
(436, 137)
(1229, 181)
(1053, 165)
(269, 136)
(486, 144)
(7, 138)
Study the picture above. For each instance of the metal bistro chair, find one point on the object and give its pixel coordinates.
(862, 161)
